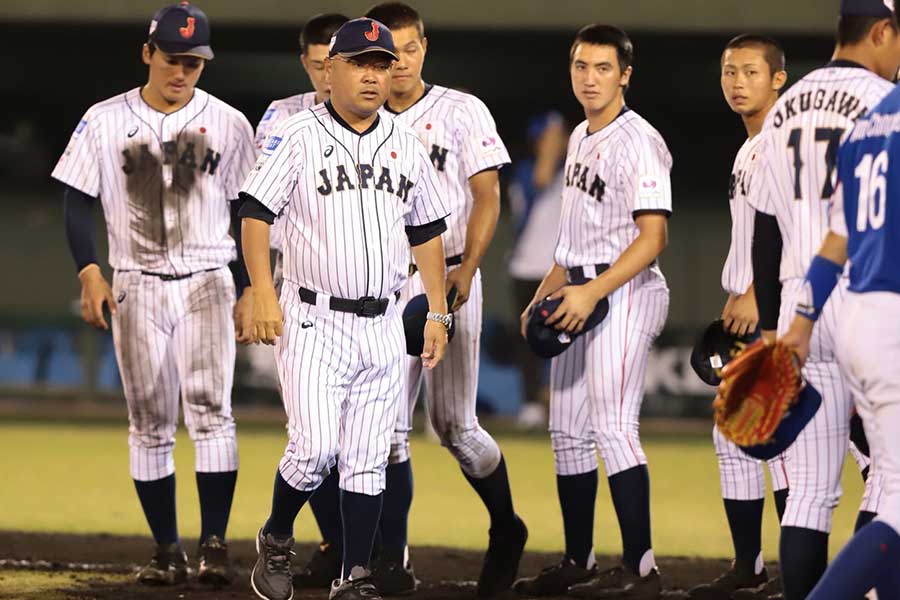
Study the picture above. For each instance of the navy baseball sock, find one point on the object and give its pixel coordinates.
(803, 558)
(158, 501)
(863, 518)
(286, 503)
(398, 495)
(868, 560)
(745, 522)
(495, 493)
(216, 491)
(630, 492)
(577, 498)
(360, 513)
(780, 502)
(326, 507)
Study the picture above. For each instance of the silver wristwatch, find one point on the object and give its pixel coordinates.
(445, 320)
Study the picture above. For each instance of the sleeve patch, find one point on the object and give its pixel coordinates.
(81, 125)
(268, 114)
(271, 145)
(650, 188)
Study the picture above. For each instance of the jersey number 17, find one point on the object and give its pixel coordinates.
(830, 138)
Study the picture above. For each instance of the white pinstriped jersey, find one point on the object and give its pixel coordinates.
(346, 198)
(737, 274)
(278, 111)
(164, 180)
(795, 178)
(610, 175)
(461, 139)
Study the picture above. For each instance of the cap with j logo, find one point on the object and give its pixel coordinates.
(181, 29)
(361, 36)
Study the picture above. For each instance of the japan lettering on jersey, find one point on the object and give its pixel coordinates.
(795, 179)
(611, 176)
(349, 197)
(461, 139)
(866, 209)
(164, 180)
(278, 111)
(737, 274)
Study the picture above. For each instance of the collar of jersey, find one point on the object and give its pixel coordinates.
(624, 110)
(140, 96)
(340, 121)
(843, 62)
(388, 108)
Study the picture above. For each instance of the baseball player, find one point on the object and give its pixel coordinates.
(357, 190)
(165, 159)
(752, 75)
(792, 186)
(325, 564)
(865, 227)
(616, 203)
(459, 134)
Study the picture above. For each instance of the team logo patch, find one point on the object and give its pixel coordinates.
(153, 25)
(271, 144)
(121, 297)
(81, 125)
(187, 32)
(328, 151)
(650, 188)
(374, 33)
(132, 131)
(306, 324)
(268, 114)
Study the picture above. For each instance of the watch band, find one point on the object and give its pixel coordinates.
(443, 319)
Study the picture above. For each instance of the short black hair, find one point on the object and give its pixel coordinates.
(772, 50)
(397, 15)
(852, 29)
(606, 35)
(319, 29)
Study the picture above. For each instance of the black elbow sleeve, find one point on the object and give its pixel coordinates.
(78, 213)
(766, 256)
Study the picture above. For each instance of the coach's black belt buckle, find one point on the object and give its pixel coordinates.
(370, 306)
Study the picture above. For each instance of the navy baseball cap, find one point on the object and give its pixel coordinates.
(868, 8)
(361, 36)
(793, 422)
(545, 340)
(181, 29)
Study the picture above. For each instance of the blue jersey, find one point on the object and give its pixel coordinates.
(869, 170)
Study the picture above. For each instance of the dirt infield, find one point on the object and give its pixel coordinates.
(86, 567)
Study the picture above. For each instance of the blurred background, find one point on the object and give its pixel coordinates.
(61, 56)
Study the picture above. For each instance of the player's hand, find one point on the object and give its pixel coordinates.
(797, 337)
(523, 318)
(461, 279)
(243, 317)
(741, 316)
(267, 318)
(95, 292)
(577, 305)
(435, 344)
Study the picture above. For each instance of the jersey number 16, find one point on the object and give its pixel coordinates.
(872, 201)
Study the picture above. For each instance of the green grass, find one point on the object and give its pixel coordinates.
(74, 479)
(15, 585)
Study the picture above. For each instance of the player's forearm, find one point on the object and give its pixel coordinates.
(483, 219)
(255, 245)
(766, 258)
(645, 249)
(78, 211)
(429, 257)
(834, 248)
(553, 280)
(241, 277)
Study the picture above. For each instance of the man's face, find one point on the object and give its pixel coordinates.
(361, 83)
(597, 79)
(747, 84)
(887, 50)
(173, 76)
(407, 72)
(313, 62)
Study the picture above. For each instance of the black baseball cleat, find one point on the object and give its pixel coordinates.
(359, 586)
(271, 576)
(554, 580)
(324, 566)
(722, 587)
(501, 561)
(212, 558)
(167, 567)
(620, 582)
(393, 578)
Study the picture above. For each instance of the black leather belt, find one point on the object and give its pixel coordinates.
(451, 261)
(368, 306)
(168, 277)
(577, 273)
